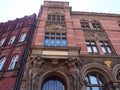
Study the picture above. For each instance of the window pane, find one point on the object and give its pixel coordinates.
(93, 79)
(95, 49)
(95, 88)
(53, 85)
(23, 37)
(46, 41)
(103, 50)
(2, 62)
(109, 50)
(89, 49)
(52, 42)
(64, 43)
(58, 42)
(88, 88)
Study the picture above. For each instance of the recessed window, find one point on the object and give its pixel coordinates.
(53, 83)
(2, 62)
(22, 37)
(12, 39)
(92, 47)
(13, 62)
(59, 18)
(94, 81)
(106, 48)
(55, 39)
(96, 26)
(2, 41)
(85, 25)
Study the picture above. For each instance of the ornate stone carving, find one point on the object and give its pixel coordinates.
(56, 11)
(55, 26)
(108, 63)
(95, 35)
(34, 72)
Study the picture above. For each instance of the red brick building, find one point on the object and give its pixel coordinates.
(15, 40)
(73, 50)
(70, 51)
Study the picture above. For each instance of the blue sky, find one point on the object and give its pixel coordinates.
(12, 9)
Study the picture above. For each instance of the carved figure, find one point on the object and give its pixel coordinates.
(34, 72)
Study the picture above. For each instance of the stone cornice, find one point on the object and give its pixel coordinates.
(94, 14)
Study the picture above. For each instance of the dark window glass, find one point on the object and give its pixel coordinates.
(55, 39)
(92, 47)
(59, 18)
(85, 25)
(96, 26)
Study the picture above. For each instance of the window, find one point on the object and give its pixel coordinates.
(92, 47)
(22, 37)
(53, 84)
(2, 41)
(94, 81)
(2, 62)
(106, 49)
(13, 62)
(118, 76)
(85, 25)
(55, 39)
(12, 39)
(56, 18)
(96, 26)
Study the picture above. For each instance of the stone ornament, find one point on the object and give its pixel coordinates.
(55, 27)
(108, 63)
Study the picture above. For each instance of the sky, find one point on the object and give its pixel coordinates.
(12, 9)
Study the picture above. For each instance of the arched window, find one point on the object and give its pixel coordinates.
(2, 62)
(94, 81)
(118, 75)
(2, 41)
(22, 37)
(12, 39)
(13, 62)
(53, 83)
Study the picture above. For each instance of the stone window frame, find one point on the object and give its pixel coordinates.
(92, 47)
(55, 35)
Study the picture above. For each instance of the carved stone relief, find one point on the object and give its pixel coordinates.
(56, 11)
(95, 35)
(55, 26)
